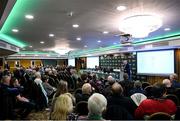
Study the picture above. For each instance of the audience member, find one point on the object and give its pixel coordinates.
(157, 104)
(62, 88)
(63, 108)
(96, 105)
(174, 80)
(107, 90)
(50, 90)
(137, 88)
(126, 84)
(38, 81)
(117, 98)
(86, 93)
(169, 88)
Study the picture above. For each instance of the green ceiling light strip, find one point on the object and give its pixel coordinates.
(14, 19)
(158, 39)
(11, 40)
(141, 42)
(36, 52)
(85, 52)
(14, 12)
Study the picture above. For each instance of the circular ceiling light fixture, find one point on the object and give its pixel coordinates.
(139, 26)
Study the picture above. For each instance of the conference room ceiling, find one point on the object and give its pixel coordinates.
(93, 17)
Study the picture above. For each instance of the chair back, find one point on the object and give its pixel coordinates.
(145, 84)
(160, 116)
(116, 112)
(82, 108)
(148, 91)
(77, 91)
(174, 98)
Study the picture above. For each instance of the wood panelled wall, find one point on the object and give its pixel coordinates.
(25, 63)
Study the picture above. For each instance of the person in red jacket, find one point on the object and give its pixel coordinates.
(158, 103)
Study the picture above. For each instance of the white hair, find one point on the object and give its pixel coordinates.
(110, 78)
(97, 104)
(38, 75)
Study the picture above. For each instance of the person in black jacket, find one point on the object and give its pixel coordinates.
(117, 98)
(137, 88)
(86, 93)
(127, 68)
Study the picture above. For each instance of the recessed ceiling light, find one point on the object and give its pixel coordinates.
(51, 35)
(42, 42)
(121, 8)
(114, 43)
(99, 41)
(78, 38)
(167, 29)
(85, 45)
(30, 46)
(105, 32)
(75, 25)
(29, 16)
(15, 30)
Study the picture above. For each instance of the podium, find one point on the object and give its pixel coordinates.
(119, 73)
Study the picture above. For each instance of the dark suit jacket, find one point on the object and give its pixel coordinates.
(127, 69)
(124, 102)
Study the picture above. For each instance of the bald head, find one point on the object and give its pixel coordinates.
(86, 88)
(117, 88)
(167, 82)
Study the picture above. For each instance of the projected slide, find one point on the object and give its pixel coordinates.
(92, 62)
(71, 62)
(155, 62)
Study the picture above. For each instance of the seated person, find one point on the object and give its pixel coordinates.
(86, 93)
(168, 85)
(10, 97)
(117, 98)
(20, 102)
(38, 82)
(96, 106)
(63, 108)
(174, 80)
(137, 88)
(48, 88)
(107, 91)
(126, 84)
(157, 104)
